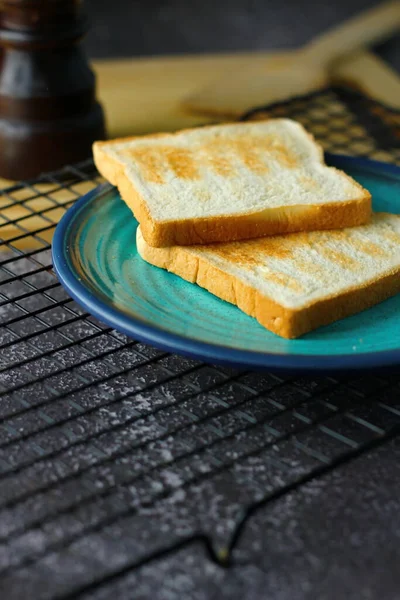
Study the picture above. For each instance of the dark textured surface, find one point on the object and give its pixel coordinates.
(134, 28)
(326, 541)
(129, 473)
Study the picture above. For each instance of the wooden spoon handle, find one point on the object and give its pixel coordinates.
(362, 30)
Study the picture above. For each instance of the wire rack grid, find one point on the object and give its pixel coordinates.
(113, 453)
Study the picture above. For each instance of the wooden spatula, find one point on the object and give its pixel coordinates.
(307, 71)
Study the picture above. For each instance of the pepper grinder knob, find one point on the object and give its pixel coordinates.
(49, 115)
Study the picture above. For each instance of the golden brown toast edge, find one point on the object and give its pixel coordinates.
(283, 321)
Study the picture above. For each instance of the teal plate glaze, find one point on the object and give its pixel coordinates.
(96, 260)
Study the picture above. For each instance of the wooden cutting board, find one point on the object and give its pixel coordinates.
(146, 94)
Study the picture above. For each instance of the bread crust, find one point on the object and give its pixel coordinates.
(283, 321)
(269, 221)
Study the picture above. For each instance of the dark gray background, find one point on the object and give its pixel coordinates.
(146, 27)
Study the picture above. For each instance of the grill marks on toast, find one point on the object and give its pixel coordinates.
(219, 154)
(250, 252)
(181, 162)
(312, 254)
(295, 283)
(156, 160)
(365, 246)
(339, 258)
(392, 236)
(309, 183)
(148, 161)
(287, 281)
(248, 255)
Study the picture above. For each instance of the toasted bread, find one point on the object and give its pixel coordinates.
(294, 283)
(230, 182)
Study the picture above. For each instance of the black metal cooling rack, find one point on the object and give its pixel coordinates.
(115, 457)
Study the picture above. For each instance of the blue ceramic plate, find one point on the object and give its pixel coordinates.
(96, 260)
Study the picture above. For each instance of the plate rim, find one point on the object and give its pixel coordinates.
(205, 351)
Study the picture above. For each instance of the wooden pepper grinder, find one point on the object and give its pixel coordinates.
(49, 116)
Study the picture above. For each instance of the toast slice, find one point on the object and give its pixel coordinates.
(230, 182)
(294, 283)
